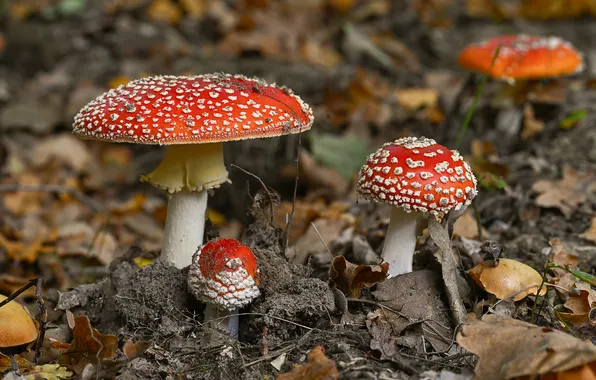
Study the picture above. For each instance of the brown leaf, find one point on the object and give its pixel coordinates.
(413, 99)
(552, 9)
(508, 348)
(579, 304)
(562, 257)
(467, 226)
(23, 363)
(485, 161)
(318, 367)
(382, 338)
(165, 11)
(351, 278)
(532, 126)
(564, 194)
(134, 349)
(590, 233)
(87, 347)
(510, 278)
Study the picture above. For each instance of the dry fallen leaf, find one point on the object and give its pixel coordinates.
(134, 349)
(318, 367)
(23, 363)
(510, 278)
(351, 278)
(166, 11)
(552, 9)
(564, 194)
(49, 372)
(579, 303)
(88, 346)
(486, 163)
(532, 126)
(467, 226)
(562, 257)
(413, 99)
(508, 348)
(382, 335)
(590, 233)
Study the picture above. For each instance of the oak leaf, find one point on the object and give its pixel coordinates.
(318, 367)
(351, 278)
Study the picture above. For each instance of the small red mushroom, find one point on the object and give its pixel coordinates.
(194, 116)
(522, 57)
(224, 275)
(416, 176)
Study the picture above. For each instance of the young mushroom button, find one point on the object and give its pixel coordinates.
(194, 116)
(224, 275)
(416, 176)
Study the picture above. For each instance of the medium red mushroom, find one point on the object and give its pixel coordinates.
(416, 176)
(224, 275)
(194, 116)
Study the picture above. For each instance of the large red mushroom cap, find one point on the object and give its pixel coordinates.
(224, 272)
(417, 174)
(193, 109)
(522, 57)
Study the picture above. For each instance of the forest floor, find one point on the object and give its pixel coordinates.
(75, 214)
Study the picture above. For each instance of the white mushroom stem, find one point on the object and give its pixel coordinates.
(400, 241)
(186, 172)
(185, 226)
(224, 320)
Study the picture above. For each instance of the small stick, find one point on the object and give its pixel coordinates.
(41, 318)
(262, 184)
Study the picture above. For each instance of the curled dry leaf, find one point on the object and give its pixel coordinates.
(579, 303)
(318, 367)
(565, 194)
(590, 233)
(508, 348)
(510, 278)
(351, 278)
(562, 257)
(88, 346)
(134, 349)
(23, 363)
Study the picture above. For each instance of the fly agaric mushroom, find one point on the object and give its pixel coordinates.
(17, 330)
(522, 57)
(224, 275)
(194, 116)
(416, 176)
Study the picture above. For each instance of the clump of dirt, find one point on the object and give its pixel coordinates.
(289, 291)
(138, 302)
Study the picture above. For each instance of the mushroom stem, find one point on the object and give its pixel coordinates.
(187, 171)
(185, 225)
(400, 241)
(224, 320)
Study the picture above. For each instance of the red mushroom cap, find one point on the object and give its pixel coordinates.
(417, 174)
(522, 57)
(194, 109)
(224, 272)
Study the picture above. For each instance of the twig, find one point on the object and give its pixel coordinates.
(441, 238)
(90, 202)
(262, 184)
(289, 223)
(320, 237)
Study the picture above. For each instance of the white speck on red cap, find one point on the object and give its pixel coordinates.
(193, 109)
(417, 174)
(224, 272)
